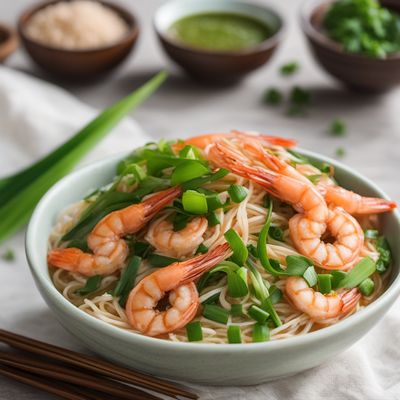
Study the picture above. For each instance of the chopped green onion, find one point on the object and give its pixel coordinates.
(240, 252)
(197, 182)
(252, 250)
(338, 127)
(202, 249)
(385, 255)
(189, 152)
(237, 278)
(194, 202)
(267, 305)
(92, 284)
(212, 299)
(141, 249)
(337, 277)
(9, 255)
(127, 280)
(194, 332)
(273, 97)
(275, 294)
(289, 68)
(340, 152)
(314, 179)
(260, 333)
(310, 276)
(216, 313)
(187, 171)
(297, 265)
(237, 193)
(257, 314)
(234, 334)
(214, 202)
(367, 287)
(276, 233)
(158, 260)
(324, 283)
(212, 219)
(237, 310)
(371, 234)
(364, 269)
(262, 251)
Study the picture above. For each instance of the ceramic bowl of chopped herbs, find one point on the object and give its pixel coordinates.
(356, 41)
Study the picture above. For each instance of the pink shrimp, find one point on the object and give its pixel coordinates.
(202, 141)
(319, 306)
(177, 279)
(314, 219)
(105, 240)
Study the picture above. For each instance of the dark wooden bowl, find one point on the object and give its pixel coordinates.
(358, 72)
(8, 42)
(216, 66)
(78, 64)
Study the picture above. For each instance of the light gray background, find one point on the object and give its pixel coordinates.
(182, 107)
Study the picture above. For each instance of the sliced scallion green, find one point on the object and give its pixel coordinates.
(310, 276)
(194, 202)
(197, 182)
(212, 219)
(212, 299)
(337, 277)
(367, 287)
(158, 260)
(365, 268)
(237, 278)
(258, 314)
(297, 265)
(275, 294)
(252, 250)
(202, 249)
(180, 221)
(234, 334)
(240, 252)
(187, 171)
(324, 283)
(276, 233)
(214, 201)
(194, 332)
(237, 193)
(260, 333)
(216, 313)
(237, 310)
(92, 284)
(127, 280)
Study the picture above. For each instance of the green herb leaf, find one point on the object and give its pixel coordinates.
(364, 269)
(240, 252)
(92, 284)
(158, 260)
(367, 287)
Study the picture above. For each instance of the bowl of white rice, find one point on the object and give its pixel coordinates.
(78, 38)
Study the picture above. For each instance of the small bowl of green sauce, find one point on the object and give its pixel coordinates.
(218, 41)
(356, 41)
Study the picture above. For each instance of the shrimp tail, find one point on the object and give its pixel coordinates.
(350, 300)
(158, 201)
(268, 139)
(65, 258)
(196, 266)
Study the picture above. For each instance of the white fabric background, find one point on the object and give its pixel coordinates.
(34, 116)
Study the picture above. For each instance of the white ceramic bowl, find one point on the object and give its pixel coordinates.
(238, 364)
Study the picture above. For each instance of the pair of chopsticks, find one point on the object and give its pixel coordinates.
(76, 376)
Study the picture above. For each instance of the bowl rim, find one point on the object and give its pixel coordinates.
(307, 10)
(128, 16)
(265, 45)
(387, 298)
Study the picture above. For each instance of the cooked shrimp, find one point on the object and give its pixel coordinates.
(177, 278)
(105, 240)
(351, 202)
(314, 219)
(346, 231)
(202, 141)
(317, 305)
(183, 243)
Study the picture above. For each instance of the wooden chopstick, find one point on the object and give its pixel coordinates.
(45, 385)
(60, 373)
(93, 364)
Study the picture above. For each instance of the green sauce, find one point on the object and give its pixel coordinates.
(219, 31)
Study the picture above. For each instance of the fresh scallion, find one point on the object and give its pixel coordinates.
(237, 278)
(212, 219)
(237, 193)
(310, 276)
(198, 182)
(252, 250)
(257, 314)
(237, 310)
(8, 255)
(275, 294)
(180, 221)
(212, 299)
(214, 201)
(141, 249)
(194, 332)
(127, 280)
(92, 284)
(367, 287)
(297, 265)
(260, 333)
(276, 233)
(216, 313)
(187, 171)
(194, 202)
(324, 283)
(365, 268)
(234, 334)
(202, 249)
(337, 277)
(240, 252)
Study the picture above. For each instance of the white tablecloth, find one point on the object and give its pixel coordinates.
(35, 116)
